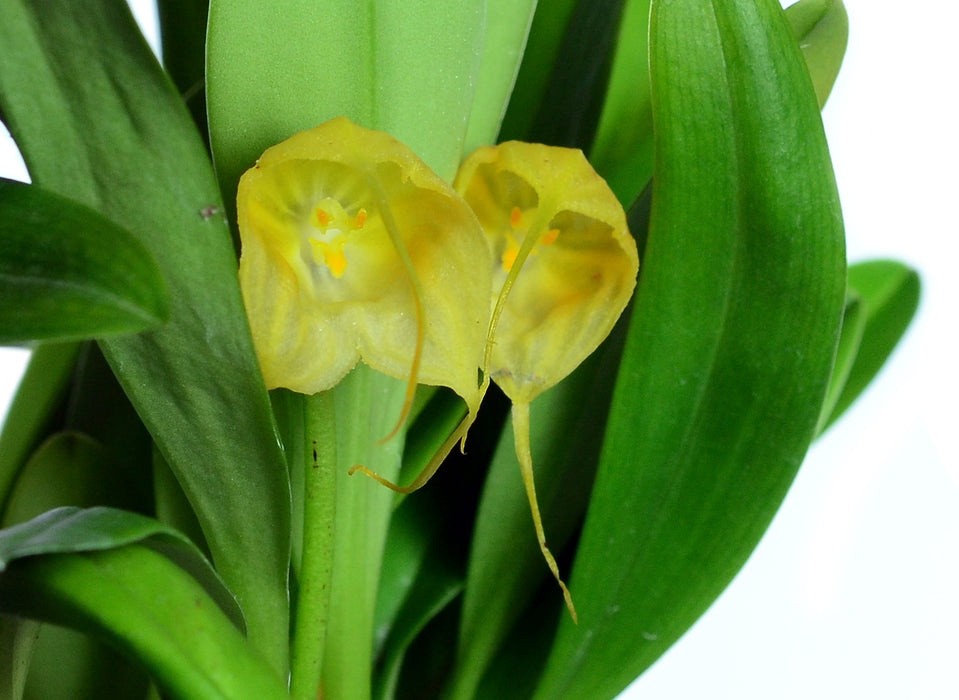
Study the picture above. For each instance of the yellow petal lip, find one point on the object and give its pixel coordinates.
(577, 275)
(354, 250)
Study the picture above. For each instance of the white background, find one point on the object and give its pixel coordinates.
(854, 591)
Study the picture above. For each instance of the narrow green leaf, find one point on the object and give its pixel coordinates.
(145, 604)
(890, 292)
(183, 41)
(507, 26)
(435, 587)
(542, 48)
(18, 638)
(69, 273)
(822, 29)
(98, 121)
(571, 104)
(623, 149)
(850, 336)
(730, 346)
(41, 391)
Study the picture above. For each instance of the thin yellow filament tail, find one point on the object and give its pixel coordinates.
(520, 414)
(428, 471)
(417, 291)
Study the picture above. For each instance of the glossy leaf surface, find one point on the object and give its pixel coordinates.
(730, 346)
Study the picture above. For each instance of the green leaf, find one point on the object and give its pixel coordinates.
(730, 346)
(69, 273)
(183, 40)
(822, 30)
(507, 26)
(98, 121)
(623, 150)
(850, 336)
(40, 393)
(890, 292)
(542, 49)
(405, 68)
(129, 581)
(434, 589)
(571, 104)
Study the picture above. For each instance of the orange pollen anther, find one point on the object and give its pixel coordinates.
(322, 218)
(515, 216)
(549, 236)
(360, 219)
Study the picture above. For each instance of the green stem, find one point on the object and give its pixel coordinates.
(316, 564)
(367, 404)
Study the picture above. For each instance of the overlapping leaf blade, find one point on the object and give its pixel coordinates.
(98, 121)
(143, 588)
(889, 293)
(730, 347)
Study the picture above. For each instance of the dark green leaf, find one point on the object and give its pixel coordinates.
(68, 273)
(571, 104)
(889, 291)
(730, 346)
(542, 48)
(435, 587)
(97, 120)
(183, 40)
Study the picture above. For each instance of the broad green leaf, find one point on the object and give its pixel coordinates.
(40, 393)
(95, 571)
(890, 292)
(70, 529)
(730, 346)
(504, 38)
(408, 68)
(69, 273)
(98, 121)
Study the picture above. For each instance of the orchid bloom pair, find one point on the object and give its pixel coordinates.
(353, 249)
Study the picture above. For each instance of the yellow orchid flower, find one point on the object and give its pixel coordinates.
(353, 249)
(564, 268)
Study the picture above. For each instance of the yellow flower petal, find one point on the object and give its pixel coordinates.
(546, 209)
(353, 249)
(564, 269)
